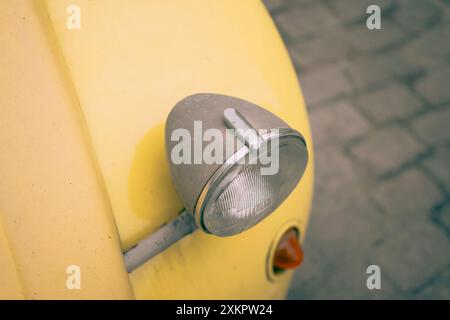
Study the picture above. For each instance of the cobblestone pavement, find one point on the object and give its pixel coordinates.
(379, 103)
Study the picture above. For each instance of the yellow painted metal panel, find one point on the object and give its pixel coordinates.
(130, 62)
(10, 287)
(52, 203)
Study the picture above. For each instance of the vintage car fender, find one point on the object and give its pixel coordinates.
(83, 173)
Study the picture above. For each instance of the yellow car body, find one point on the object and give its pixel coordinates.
(83, 173)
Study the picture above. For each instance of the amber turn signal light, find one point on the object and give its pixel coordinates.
(289, 253)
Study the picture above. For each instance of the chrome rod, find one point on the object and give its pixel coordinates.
(243, 129)
(160, 240)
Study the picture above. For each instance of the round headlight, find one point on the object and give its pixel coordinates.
(231, 196)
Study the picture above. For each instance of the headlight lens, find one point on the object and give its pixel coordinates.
(239, 197)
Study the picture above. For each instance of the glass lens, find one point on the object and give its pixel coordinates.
(250, 196)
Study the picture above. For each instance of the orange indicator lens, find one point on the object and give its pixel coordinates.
(289, 253)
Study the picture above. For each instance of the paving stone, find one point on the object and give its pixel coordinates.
(324, 84)
(444, 218)
(444, 8)
(436, 87)
(391, 102)
(377, 69)
(330, 125)
(407, 198)
(387, 150)
(439, 166)
(365, 40)
(433, 127)
(331, 45)
(351, 11)
(428, 49)
(362, 221)
(339, 183)
(412, 255)
(335, 169)
(303, 21)
(416, 15)
(438, 289)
